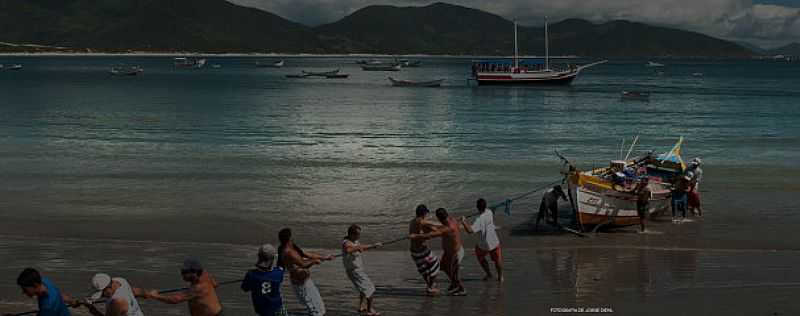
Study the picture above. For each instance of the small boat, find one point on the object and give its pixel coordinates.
(409, 63)
(320, 73)
(369, 62)
(13, 67)
(410, 83)
(654, 64)
(337, 76)
(277, 64)
(189, 63)
(635, 95)
(126, 70)
(393, 67)
(697, 74)
(660, 73)
(216, 66)
(297, 76)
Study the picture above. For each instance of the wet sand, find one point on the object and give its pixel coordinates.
(694, 268)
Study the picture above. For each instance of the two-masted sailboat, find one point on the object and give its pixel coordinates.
(501, 72)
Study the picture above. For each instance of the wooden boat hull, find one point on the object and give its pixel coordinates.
(565, 78)
(614, 208)
(407, 83)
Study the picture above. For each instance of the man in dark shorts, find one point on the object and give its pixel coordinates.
(643, 195)
(550, 204)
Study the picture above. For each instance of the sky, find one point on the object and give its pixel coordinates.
(767, 23)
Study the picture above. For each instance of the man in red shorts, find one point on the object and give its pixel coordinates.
(489, 243)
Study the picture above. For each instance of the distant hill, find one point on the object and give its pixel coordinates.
(442, 28)
(752, 47)
(792, 49)
(155, 25)
(220, 26)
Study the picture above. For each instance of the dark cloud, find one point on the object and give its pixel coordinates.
(764, 24)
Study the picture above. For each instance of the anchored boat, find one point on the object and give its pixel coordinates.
(126, 70)
(380, 67)
(277, 64)
(189, 63)
(410, 83)
(527, 72)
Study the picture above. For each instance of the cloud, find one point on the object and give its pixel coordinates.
(743, 20)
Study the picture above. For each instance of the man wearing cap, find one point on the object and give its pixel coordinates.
(264, 284)
(119, 296)
(51, 300)
(299, 263)
(695, 174)
(201, 295)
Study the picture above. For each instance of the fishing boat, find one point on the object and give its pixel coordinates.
(277, 64)
(654, 64)
(189, 63)
(13, 67)
(635, 95)
(515, 72)
(337, 76)
(410, 83)
(126, 70)
(409, 63)
(606, 196)
(320, 73)
(381, 67)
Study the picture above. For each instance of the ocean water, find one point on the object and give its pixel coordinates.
(226, 156)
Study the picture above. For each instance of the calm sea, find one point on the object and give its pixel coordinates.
(229, 155)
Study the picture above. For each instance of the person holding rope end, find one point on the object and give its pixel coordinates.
(201, 295)
(120, 297)
(50, 299)
(299, 263)
(489, 243)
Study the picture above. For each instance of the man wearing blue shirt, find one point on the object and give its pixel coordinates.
(264, 284)
(51, 300)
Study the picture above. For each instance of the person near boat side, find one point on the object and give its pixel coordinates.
(680, 188)
(696, 174)
(427, 263)
(352, 250)
(549, 204)
(299, 263)
(264, 284)
(119, 297)
(452, 249)
(201, 295)
(643, 196)
(489, 243)
(51, 301)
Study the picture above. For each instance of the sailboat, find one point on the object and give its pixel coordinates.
(503, 73)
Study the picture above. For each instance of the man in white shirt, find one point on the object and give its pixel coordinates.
(489, 243)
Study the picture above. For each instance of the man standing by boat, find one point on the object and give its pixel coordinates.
(201, 295)
(643, 195)
(427, 264)
(550, 204)
(489, 243)
(51, 300)
(452, 249)
(680, 188)
(695, 174)
(119, 296)
(299, 263)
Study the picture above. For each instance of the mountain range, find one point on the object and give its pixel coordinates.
(217, 26)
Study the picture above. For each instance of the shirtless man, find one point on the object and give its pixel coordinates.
(427, 263)
(201, 293)
(299, 263)
(453, 250)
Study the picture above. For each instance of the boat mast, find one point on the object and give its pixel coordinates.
(546, 47)
(516, 49)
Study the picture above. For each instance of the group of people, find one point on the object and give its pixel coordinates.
(264, 282)
(686, 191)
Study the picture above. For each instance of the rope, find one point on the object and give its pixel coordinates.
(159, 292)
(506, 204)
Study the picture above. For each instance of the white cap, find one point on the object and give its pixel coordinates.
(99, 282)
(697, 161)
(266, 256)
